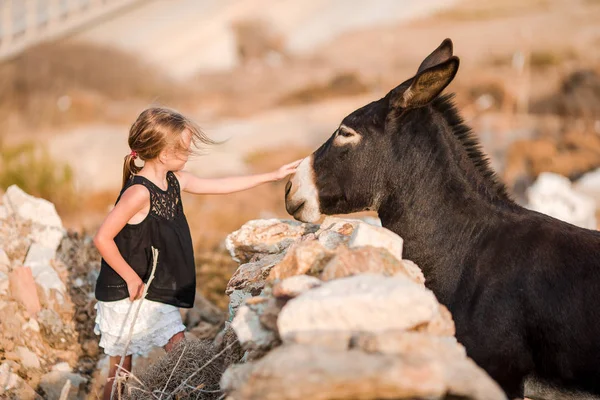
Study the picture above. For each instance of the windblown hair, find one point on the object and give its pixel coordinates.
(156, 129)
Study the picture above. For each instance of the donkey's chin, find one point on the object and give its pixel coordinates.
(301, 194)
(307, 214)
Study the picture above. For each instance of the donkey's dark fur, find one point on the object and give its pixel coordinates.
(523, 288)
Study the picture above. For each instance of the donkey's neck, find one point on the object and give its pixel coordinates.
(445, 204)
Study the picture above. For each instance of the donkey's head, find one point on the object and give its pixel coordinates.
(346, 174)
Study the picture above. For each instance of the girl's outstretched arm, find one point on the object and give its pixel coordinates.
(192, 184)
(135, 200)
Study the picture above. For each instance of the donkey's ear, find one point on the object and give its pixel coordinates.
(438, 56)
(426, 85)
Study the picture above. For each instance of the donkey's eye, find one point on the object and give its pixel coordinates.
(345, 133)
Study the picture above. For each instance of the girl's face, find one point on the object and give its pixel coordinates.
(176, 158)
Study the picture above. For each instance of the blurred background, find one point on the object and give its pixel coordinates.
(274, 78)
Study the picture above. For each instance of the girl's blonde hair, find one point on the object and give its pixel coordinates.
(156, 129)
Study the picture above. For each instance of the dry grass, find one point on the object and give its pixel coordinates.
(578, 97)
(184, 363)
(57, 83)
(341, 85)
(32, 169)
(486, 10)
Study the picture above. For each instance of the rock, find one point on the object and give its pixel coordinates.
(265, 237)
(235, 377)
(251, 276)
(3, 212)
(13, 386)
(413, 271)
(369, 235)
(270, 312)
(56, 333)
(295, 285)
(236, 299)
(38, 259)
(4, 284)
(225, 338)
(4, 262)
(459, 370)
(90, 348)
(294, 372)
(250, 332)
(53, 382)
(368, 259)
(24, 290)
(589, 185)
(361, 303)
(206, 330)
(203, 310)
(303, 257)
(331, 239)
(62, 367)
(552, 194)
(47, 228)
(341, 226)
(28, 358)
(441, 324)
(32, 325)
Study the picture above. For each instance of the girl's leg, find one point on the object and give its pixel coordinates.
(178, 337)
(112, 369)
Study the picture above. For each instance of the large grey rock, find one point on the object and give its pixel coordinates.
(47, 228)
(28, 358)
(268, 236)
(251, 334)
(361, 303)
(53, 382)
(54, 331)
(553, 194)
(294, 372)
(4, 261)
(4, 212)
(4, 284)
(369, 235)
(236, 299)
(250, 277)
(305, 256)
(38, 259)
(589, 185)
(12, 386)
(295, 286)
(361, 260)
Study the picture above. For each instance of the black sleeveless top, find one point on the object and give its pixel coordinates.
(166, 229)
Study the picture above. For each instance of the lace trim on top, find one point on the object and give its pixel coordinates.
(163, 203)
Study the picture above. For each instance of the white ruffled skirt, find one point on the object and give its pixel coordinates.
(156, 323)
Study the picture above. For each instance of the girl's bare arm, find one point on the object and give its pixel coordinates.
(135, 200)
(195, 185)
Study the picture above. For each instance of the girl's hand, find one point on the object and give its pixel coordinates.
(135, 287)
(287, 169)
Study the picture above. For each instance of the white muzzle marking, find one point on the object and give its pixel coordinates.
(302, 202)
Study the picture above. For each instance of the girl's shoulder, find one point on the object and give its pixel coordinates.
(135, 194)
(182, 178)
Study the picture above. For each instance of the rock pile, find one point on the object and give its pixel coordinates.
(333, 311)
(44, 310)
(47, 316)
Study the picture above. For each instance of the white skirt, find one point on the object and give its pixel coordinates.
(156, 323)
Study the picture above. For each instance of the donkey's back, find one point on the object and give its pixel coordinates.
(532, 295)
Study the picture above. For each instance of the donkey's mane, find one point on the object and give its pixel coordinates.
(445, 105)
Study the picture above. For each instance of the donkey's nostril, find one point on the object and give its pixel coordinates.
(288, 187)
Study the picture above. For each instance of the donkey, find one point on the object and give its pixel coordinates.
(523, 288)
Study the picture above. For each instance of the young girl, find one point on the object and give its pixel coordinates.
(148, 213)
